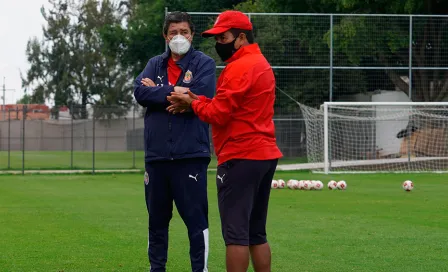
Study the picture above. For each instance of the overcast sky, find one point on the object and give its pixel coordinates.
(19, 20)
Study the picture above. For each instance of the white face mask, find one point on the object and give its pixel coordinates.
(179, 45)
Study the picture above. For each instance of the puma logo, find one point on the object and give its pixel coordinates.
(221, 178)
(193, 177)
(160, 78)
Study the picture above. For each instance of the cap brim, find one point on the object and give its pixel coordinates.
(214, 31)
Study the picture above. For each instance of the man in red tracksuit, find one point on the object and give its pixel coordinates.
(244, 138)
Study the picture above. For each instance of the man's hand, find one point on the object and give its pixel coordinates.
(181, 90)
(179, 107)
(180, 102)
(148, 82)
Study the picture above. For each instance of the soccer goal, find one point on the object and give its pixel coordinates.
(377, 137)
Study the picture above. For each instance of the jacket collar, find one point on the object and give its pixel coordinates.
(245, 50)
(183, 62)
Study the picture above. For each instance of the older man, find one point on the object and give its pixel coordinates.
(177, 147)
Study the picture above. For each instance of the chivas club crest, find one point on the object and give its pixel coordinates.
(188, 77)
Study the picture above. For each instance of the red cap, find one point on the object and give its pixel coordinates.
(227, 20)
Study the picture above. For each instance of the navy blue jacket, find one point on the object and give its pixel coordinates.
(183, 135)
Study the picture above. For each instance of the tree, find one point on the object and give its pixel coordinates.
(294, 41)
(201, 5)
(358, 41)
(99, 77)
(140, 37)
(37, 57)
(26, 99)
(385, 41)
(49, 72)
(72, 65)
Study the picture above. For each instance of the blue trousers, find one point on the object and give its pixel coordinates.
(184, 182)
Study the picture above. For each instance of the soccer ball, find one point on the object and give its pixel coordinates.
(300, 187)
(342, 185)
(281, 184)
(307, 185)
(292, 183)
(312, 182)
(318, 185)
(332, 185)
(408, 185)
(295, 184)
(274, 184)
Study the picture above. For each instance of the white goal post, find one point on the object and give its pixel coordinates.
(357, 137)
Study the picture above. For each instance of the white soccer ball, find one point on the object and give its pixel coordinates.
(274, 184)
(342, 185)
(300, 185)
(295, 184)
(318, 185)
(281, 184)
(408, 185)
(332, 185)
(291, 183)
(307, 185)
(312, 184)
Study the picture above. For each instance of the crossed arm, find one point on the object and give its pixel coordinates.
(149, 95)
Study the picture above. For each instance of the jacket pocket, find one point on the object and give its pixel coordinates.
(156, 131)
(149, 139)
(190, 137)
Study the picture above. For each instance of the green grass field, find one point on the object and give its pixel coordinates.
(43, 160)
(99, 223)
(61, 160)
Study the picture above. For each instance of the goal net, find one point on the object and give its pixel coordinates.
(377, 137)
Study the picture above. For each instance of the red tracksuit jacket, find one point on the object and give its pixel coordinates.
(241, 112)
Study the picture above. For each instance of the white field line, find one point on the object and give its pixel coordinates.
(281, 167)
(18, 172)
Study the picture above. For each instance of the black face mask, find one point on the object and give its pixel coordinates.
(225, 50)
